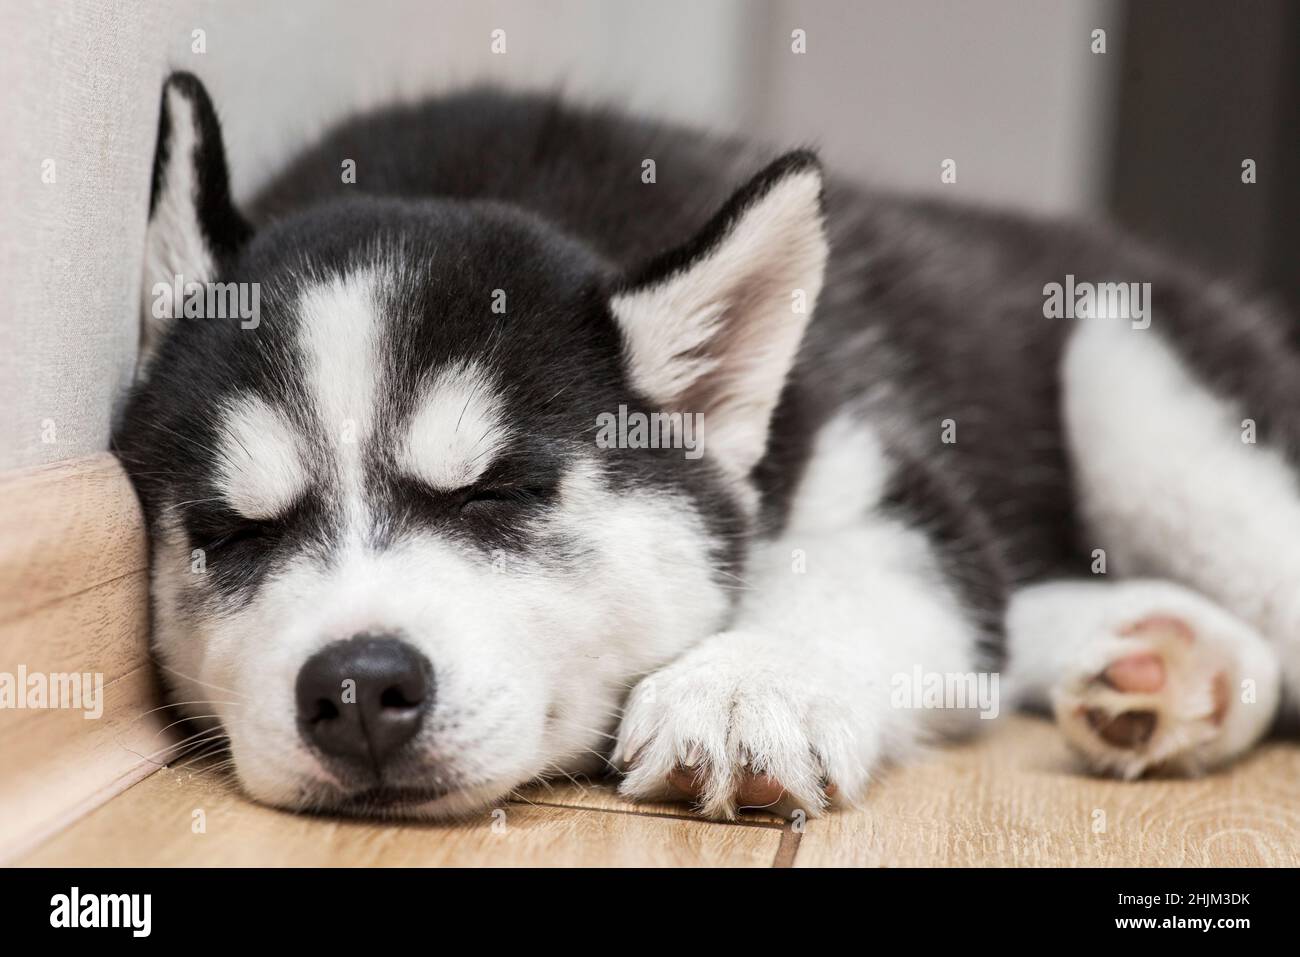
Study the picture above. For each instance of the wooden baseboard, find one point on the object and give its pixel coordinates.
(73, 599)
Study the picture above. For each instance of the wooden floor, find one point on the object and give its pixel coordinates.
(1012, 798)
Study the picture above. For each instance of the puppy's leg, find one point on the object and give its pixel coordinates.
(795, 705)
(1142, 674)
(1173, 480)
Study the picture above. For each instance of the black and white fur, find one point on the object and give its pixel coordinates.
(385, 452)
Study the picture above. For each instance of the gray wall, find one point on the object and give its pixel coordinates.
(888, 90)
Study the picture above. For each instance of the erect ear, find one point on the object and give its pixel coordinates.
(713, 327)
(193, 227)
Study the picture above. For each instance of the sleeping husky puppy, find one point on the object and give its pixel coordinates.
(561, 440)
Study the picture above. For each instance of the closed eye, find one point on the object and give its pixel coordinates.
(225, 528)
(241, 532)
(499, 495)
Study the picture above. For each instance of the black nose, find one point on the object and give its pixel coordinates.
(361, 699)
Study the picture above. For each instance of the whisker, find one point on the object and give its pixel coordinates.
(197, 681)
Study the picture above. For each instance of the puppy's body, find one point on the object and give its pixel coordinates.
(878, 479)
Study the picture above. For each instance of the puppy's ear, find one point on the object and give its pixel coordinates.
(714, 326)
(194, 229)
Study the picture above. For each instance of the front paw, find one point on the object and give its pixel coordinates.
(731, 728)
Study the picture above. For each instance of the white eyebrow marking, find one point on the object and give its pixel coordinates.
(259, 471)
(457, 430)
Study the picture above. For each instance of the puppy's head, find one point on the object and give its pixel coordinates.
(415, 526)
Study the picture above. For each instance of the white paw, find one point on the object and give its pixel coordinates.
(730, 729)
(1179, 689)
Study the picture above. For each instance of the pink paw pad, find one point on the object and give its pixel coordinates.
(1137, 674)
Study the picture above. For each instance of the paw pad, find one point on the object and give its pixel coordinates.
(751, 789)
(1143, 673)
(1129, 729)
(1162, 697)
